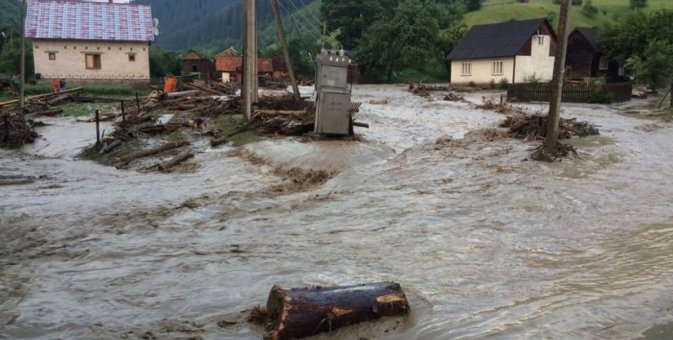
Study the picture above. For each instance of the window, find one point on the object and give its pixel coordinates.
(467, 69)
(603, 65)
(132, 57)
(540, 40)
(496, 68)
(52, 55)
(92, 61)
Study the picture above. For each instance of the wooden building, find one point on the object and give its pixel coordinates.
(193, 62)
(585, 58)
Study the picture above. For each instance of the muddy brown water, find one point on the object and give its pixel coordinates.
(484, 243)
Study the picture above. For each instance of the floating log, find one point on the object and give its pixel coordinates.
(109, 147)
(204, 89)
(218, 141)
(153, 151)
(301, 312)
(181, 94)
(51, 112)
(181, 157)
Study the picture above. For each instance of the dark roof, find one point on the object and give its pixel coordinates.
(496, 40)
(591, 35)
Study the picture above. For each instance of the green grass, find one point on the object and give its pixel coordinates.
(229, 124)
(113, 91)
(4, 96)
(495, 11)
(88, 109)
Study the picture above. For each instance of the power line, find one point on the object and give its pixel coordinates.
(307, 12)
(301, 13)
(309, 31)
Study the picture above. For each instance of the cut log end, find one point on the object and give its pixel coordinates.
(302, 312)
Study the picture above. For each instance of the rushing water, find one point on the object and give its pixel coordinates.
(483, 242)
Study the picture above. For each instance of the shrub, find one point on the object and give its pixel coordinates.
(600, 97)
(491, 84)
(503, 84)
(589, 10)
(472, 84)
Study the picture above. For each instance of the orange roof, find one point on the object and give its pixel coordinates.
(233, 64)
(264, 66)
(228, 64)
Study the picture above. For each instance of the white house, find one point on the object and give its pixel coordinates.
(90, 41)
(516, 51)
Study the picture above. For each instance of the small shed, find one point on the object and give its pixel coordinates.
(585, 58)
(193, 62)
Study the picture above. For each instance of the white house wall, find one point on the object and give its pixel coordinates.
(69, 62)
(538, 65)
(481, 72)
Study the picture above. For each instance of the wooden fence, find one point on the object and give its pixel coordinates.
(576, 92)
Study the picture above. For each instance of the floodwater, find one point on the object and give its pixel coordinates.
(485, 243)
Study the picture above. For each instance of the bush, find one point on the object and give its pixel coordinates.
(589, 10)
(600, 97)
(491, 84)
(472, 84)
(503, 84)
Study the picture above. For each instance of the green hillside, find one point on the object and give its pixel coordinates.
(9, 14)
(503, 10)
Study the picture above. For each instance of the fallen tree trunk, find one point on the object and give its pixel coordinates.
(153, 151)
(181, 157)
(52, 112)
(302, 312)
(181, 94)
(109, 147)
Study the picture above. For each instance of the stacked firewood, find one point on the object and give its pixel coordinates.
(212, 88)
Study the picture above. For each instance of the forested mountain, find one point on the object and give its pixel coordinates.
(209, 24)
(9, 16)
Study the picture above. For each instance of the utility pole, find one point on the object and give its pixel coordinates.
(286, 51)
(249, 90)
(22, 98)
(551, 140)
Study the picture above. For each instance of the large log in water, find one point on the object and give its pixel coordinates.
(301, 312)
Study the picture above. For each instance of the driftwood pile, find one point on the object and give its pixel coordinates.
(213, 88)
(453, 97)
(43, 104)
(16, 130)
(534, 127)
(499, 106)
(424, 90)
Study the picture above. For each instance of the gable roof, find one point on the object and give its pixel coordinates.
(78, 20)
(230, 52)
(228, 64)
(496, 40)
(590, 34)
(193, 55)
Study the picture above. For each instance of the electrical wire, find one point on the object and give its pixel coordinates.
(310, 31)
(307, 12)
(301, 13)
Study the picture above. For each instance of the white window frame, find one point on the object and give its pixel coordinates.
(603, 64)
(497, 68)
(467, 68)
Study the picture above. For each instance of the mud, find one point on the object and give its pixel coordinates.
(484, 242)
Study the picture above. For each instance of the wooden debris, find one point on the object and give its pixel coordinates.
(51, 112)
(453, 97)
(181, 157)
(16, 130)
(378, 101)
(15, 180)
(302, 312)
(218, 141)
(153, 151)
(534, 127)
(109, 147)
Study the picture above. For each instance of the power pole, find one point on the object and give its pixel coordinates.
(286, 51)
(551, 140)
(23, 56)
(249, 91)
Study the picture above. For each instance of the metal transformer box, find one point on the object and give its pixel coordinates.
(333, 112)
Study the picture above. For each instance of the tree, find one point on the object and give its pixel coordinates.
(10, 57)
(447, 40)
(353, 17)
(473, 5)
(636, 4)
(408, 40)
(589, 10)
(164, 62)
(640, 39)
(655, 66)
